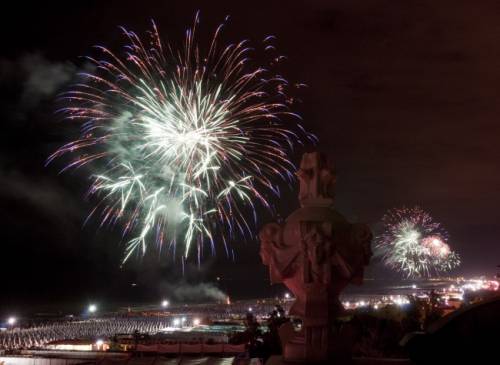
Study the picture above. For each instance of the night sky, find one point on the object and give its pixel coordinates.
(404, 96)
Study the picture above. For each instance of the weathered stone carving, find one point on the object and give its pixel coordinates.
(317, 180)
(316, 253)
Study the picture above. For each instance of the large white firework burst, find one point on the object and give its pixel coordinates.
(183, 144)
(414, 244)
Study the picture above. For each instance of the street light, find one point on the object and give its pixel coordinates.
(196, 321)
(92, 308)
(11, 321)
(165, 303)
(287, 296)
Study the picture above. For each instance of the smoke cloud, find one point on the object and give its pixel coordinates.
(43, 78)
(201, 292)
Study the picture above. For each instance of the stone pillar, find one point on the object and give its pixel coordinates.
(315, 253)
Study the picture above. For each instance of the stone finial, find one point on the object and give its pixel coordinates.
(316, 253)
(317, 180)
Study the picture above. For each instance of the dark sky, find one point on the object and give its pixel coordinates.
(405, 96)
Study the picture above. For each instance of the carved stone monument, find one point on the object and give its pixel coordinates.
(315, 253)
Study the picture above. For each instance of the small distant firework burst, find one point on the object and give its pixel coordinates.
(183, 144)
(412, 243)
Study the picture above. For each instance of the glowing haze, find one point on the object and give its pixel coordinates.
(183, 144)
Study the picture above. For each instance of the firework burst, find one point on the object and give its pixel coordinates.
(183, 144)
(412, 243)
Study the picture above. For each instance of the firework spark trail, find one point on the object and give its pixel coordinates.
(412, 243)
(183, 143)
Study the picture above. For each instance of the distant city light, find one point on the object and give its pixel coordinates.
(414, 286)
(401, 301)
(183, 319)
(196, 321)
(92, 308)
(165, 303)
(287, 296)
(177, 321)
(250, 309)
(11, 321)
(99, 342)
